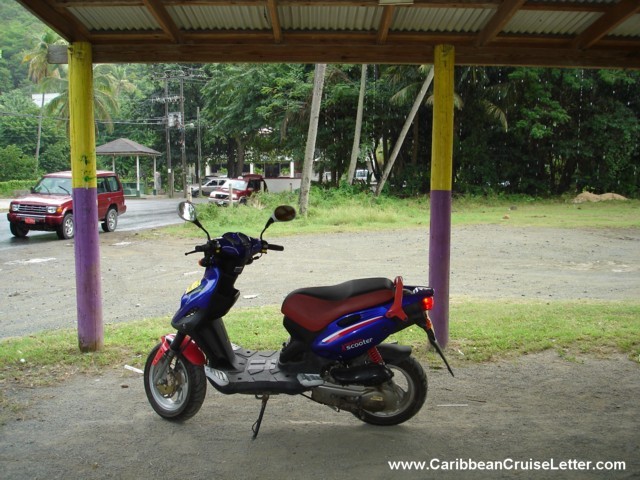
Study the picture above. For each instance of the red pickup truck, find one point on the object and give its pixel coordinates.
(241, 188)
(49, 207)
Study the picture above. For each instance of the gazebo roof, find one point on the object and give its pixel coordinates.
(124, 146)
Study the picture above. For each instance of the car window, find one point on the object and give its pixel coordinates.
(53, 186)
(238, 185)
(112, 184)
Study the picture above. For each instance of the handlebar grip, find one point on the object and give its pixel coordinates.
(278, 248)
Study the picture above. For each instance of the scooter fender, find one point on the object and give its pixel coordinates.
(188, 349)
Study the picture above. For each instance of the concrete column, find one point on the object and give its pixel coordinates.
(85, 198)
(441, 182)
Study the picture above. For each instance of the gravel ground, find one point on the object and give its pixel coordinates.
(535, 408)
(144, 277)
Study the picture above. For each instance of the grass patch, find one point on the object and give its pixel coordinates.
(480, 330)
(555, 213)
(336, 211)
(487, 330)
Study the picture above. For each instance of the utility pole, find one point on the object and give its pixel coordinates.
(199, 171)
(168, 135)
(170, 120)
(183, 153)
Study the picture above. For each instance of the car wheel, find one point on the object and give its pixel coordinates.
(66, 230)
(110, 220)
(18, 230)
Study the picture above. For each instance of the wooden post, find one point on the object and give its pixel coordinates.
(441, 183)
(85, 198)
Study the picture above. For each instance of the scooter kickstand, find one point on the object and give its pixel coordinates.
(256, 426)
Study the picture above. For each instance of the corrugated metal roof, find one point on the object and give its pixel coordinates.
(440, 19)
(592, 33)
(550, 23)
(102, 18)
(630, 28)
(218, 18)
(329, 18)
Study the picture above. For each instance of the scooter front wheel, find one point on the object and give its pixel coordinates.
(178, 392)
(409, 384)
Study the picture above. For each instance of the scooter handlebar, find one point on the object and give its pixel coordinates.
(278, 248)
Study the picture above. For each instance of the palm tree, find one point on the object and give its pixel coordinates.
(40, 72)
(105, 96)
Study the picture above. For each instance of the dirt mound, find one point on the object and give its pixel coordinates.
(592, 197)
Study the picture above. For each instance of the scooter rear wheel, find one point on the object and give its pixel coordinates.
(180, 391)
(410, 383)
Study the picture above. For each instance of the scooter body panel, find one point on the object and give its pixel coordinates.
(353, 334)
(199, 293)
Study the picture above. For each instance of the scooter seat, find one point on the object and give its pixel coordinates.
(316, 307)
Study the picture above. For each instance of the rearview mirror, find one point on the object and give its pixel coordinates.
(187, 211)
(284, 213)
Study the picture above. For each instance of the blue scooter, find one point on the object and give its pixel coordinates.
(334, 354)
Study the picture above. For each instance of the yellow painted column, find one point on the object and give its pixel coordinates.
(441, 183)
(85, 199)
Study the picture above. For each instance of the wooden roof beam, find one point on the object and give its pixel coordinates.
(497, 22)
(385, 24)
(617, 14)
(275, 20)
(58, 20)
(164, 20)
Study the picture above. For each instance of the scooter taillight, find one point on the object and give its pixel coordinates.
(427, 303)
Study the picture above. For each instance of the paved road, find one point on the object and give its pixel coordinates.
(141, 214)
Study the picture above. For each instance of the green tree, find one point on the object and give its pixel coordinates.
(40, 71)
(15, 165)
(253, 107)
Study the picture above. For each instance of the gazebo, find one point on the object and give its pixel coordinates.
(125, 147)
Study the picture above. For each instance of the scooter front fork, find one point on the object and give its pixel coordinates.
(165, 358)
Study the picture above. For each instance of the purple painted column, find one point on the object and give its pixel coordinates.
(85, 197)
(441, 183)
(88, 285)
(439, 261)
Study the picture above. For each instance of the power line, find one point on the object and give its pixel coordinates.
(148, 121)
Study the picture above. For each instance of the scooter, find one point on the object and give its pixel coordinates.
(334, 354)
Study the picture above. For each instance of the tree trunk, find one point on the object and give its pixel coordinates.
(416, 140)
(240, 158)
(405, 129)
(307, 168)
(355, 151)
(39, 134)
(231, 159)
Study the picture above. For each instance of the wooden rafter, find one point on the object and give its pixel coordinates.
(497, 22)
(617, 14)
(385, 23)
(159, 12)
(275, 20)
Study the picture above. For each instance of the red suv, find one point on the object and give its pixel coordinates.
(49, 206)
